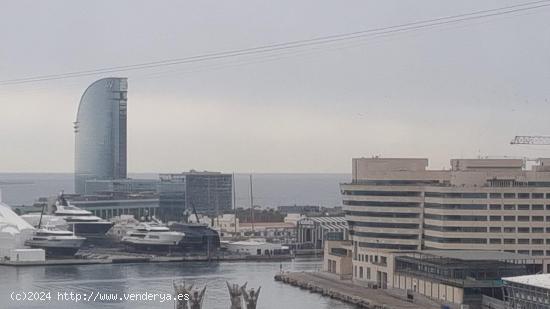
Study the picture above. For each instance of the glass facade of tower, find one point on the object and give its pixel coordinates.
(100, 132)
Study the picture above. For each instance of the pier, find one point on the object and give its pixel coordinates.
(346, 291)
(106, 256)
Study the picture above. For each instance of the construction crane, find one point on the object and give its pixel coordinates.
(531, 140)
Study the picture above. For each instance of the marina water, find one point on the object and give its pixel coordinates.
(158, 278)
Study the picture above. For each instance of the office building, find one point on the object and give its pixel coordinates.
(478, 204)
(210, 193)
(100, 132)
(391, 203)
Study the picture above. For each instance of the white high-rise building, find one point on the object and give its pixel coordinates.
(100, 132)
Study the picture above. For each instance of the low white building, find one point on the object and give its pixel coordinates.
(14, 231)
(255, 248)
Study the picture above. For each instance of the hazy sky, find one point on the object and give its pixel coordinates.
(459, 90)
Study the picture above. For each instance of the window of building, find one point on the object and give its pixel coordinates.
(537, 195)
(547, 195)
(368, 273)
(495, 229)
(523, 230)
(537, 241)
(361, 272)
(548, 241)
(495, 241)
(509, 207)
(523, 241)
(495, 207)
(495, 218)
(547, 207)
(509, 230)
(523, 195)
(509, 241)
(523, 252)
(509, 195)
(523, 207)
(537, 230)
(509, 218)
(495, 195)
(523, 218)
(537, 207)
(537, 218)
(537, 252)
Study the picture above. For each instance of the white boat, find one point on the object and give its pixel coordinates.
(153, 237)
(80, 221)
(56, 242)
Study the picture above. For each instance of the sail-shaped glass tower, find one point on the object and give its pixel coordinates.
(100, 132)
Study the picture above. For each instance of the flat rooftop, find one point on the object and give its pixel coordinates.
(541, 281)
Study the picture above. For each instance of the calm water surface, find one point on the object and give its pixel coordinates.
(158, 278)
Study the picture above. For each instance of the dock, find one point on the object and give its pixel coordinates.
(346, 291)
(116, 257)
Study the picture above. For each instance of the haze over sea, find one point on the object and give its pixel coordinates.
(270, 190)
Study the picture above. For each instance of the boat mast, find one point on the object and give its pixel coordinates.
(41, 214)
(234, 206)
(251, 205)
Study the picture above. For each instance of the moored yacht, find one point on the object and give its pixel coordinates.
(80, 221)
(56, 242)
(153, 237)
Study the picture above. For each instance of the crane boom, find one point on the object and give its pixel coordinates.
(531, 140)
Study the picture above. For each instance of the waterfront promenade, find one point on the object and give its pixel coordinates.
(346, 291)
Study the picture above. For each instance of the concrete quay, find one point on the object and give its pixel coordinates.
(346, 291)
(106, 256)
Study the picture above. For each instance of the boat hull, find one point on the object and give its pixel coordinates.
(58, 248)
(90, 228)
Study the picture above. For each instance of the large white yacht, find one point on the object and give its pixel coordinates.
(153, 237)
(55, 242)
(80, 221)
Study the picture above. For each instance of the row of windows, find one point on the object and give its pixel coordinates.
(482, 229)
(456, 206)
(484, 218)
(461, 229)
(382, 214)
(493, 241)
(387, 246)
(352, 224)
(519, 218)
(485, 195)
(380, 204)
(381, 193)
(455, 217)
(383, 235)
(456, 240)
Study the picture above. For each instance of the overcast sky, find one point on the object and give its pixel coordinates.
(454, 91)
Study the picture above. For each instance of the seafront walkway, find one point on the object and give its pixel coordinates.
(346, 291)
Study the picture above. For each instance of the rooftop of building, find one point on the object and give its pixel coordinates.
(478, 164)
(325, 220)
(541, 280)
(267, 225)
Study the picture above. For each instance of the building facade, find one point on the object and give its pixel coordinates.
(210, 193)
(312, 232)
(100, 132)
(478, 204)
